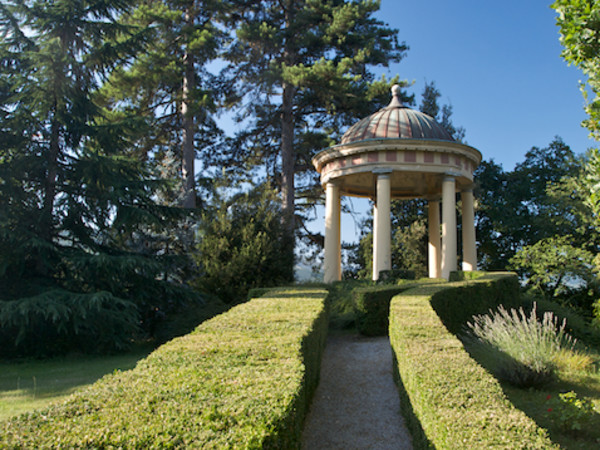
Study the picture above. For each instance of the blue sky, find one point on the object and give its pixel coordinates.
(498, 64)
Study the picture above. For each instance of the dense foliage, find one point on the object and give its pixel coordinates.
(578, 23)
(75, 206)
(538, 220)
(240, 243)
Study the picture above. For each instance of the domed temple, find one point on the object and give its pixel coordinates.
(400, 153)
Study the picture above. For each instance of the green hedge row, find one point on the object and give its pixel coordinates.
(458, 305)
(372, 305)
(240, 380)
(449, 400)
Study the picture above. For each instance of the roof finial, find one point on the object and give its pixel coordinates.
(396, 102)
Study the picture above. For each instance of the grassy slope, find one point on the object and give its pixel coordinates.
(26, 386)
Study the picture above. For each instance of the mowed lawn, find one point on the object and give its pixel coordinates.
(25, 386)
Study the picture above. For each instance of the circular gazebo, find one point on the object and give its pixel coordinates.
(400, 153)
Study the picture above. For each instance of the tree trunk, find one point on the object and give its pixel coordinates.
(189, 181)
(287, 168)
(50, 181)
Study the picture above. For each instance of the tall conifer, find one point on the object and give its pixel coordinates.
(169, 86)
(304, 71)
(72, 203)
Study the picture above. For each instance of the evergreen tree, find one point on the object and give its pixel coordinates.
(72, 203)
(303, 69)
(240, 245)
(169, 86)
(443, 115)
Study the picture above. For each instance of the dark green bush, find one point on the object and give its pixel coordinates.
(241, 380)
(392, 276)
(57, 321)
(450, 400)
(372, 307)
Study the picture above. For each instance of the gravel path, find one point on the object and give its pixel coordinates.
(356, 405)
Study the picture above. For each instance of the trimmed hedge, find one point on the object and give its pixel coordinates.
(476, 296)
(372, 307)
(240, 380)
(462, 275)
(449, 400)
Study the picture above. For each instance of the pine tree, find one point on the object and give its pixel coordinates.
(169, 86)
(72, 201)
(303, 69)
(430, 106)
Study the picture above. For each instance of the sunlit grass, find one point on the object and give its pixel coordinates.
(574, 367)
(26, 386)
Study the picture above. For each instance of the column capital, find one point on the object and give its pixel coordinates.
(450, 176)
(382, 171)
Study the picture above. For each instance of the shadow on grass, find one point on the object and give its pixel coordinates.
(24, 384)
(537, 404)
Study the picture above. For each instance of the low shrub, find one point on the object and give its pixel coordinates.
(449, 400)
(240, 380)
(523, 349)
(575, 360)
(569, 412)
(372, 307)
(393, 276)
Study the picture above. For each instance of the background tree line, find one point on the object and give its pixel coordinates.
(109, 230)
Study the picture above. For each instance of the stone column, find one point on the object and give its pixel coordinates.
(468, 231)
(448, 226)
(382, 234)
(375, 239)
(434, 245)
(332, 265)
